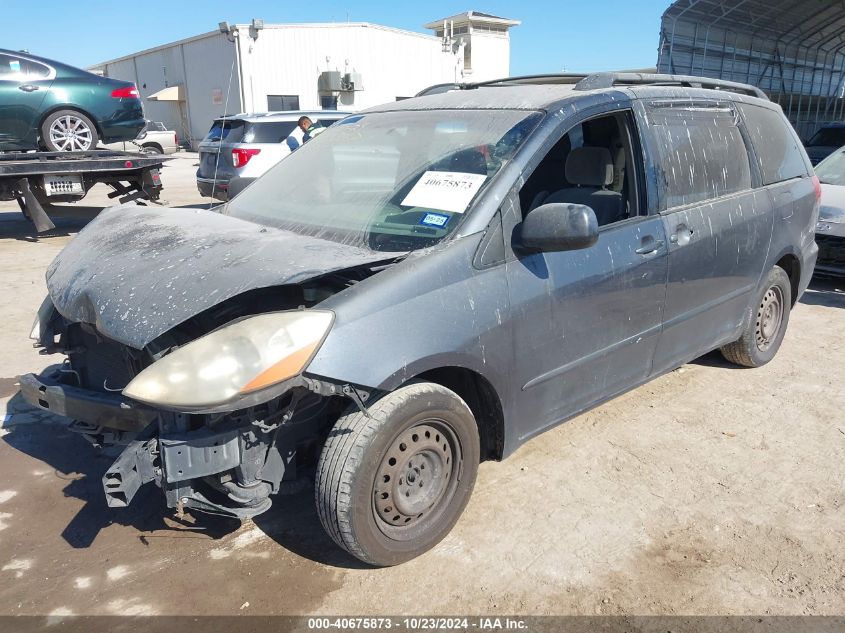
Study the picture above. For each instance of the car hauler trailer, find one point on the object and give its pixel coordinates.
(38, 178)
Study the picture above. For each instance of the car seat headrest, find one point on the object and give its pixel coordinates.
(590, 166)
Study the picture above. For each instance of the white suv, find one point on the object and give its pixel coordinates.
(241, 147)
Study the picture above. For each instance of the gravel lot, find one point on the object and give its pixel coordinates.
(711, 490)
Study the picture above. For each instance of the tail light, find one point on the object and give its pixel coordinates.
(241, 157)
(817, 187)
(129, 92)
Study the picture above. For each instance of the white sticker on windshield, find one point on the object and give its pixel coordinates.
(444, 190)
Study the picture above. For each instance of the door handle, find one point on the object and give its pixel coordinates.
(28, 88)
(649, 248)
(681, 235)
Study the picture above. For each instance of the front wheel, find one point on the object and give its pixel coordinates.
(391, 486)
(68, 131)
(766, 327)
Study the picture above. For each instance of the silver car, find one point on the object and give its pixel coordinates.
(155, 138)
(242, 147)
(830, 230)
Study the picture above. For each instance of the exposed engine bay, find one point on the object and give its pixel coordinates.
(222, 461)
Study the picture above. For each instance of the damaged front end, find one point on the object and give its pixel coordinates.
(216, 412)
(228, 464)
(186, 338)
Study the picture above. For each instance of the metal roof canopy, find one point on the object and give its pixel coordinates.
(793, 50)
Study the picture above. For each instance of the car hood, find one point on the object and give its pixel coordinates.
(136, 272)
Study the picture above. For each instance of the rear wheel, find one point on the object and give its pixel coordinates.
(761, 339)
(68, 131)
(391, 486)
(152, 148)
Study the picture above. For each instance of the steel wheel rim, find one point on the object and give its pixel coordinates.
(70, 133)
(769, 318)
(414, 484)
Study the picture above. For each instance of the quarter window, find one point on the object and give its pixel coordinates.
(700, 153)
(776, 144)
(268, 131)
(18, 68)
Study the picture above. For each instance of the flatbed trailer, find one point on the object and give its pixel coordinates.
(38, 178)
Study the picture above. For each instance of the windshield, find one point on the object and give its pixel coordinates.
(831, 171)
(391, 181)
(828, 137)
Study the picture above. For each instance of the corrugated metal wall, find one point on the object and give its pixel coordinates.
(288, 60)
(794, 51)
(201, 65)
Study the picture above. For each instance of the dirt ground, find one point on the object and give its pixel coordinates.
(711, 490)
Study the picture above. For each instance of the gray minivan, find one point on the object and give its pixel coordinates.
(426, 285)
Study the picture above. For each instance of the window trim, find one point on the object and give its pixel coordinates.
(703, 203)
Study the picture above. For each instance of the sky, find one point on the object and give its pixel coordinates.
(555, 36)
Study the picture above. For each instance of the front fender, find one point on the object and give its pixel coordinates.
(428, 312)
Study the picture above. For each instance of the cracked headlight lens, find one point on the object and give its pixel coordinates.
(239, 358)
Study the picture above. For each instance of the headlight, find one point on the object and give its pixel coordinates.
(237, 359)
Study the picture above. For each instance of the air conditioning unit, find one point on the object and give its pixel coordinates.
(353, 82)
(330, 81)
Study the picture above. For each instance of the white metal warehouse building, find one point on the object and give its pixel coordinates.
(344, 66)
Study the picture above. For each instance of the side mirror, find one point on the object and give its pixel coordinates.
(558, 227)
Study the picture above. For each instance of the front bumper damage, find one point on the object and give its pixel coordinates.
(228, 463)
(49, 393)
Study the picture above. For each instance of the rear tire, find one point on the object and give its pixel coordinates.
(152, 148)
(767, 323)
(391, 486)
(69, 131)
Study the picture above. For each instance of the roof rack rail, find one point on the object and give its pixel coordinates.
(608, 80)
(551, 78)
(519, 80)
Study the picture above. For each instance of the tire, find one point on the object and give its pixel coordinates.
(152, 148)
(422, 428)
(82, 134)
(766, 323)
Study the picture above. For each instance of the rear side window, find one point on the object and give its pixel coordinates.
(700, 152)
(18, 68)
(268, 131)
(229, 130)
(775, 143)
